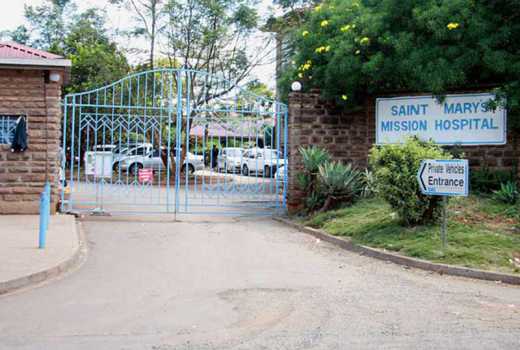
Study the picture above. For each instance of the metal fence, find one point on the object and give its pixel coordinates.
(174, 141)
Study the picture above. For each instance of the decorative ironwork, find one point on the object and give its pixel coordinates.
(213, 147)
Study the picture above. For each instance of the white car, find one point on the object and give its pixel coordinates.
(230, 159)
(145, 156)
(262, 161)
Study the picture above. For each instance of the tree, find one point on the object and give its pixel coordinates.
(214, 37)
(148, 15)
(296, 4)
(57, 27)
(96, 60)
(351, 48)
(48, 23)
(20, 35)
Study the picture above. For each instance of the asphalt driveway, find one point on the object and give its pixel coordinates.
(250, 283)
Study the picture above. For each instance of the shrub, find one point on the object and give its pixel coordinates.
(350, 49)
(369, 184)
(325, 183)
(339, 183)
(508, 193)
(313, 158)
(395, 169)
(486, 181)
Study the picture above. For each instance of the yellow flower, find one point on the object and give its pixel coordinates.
(324, 23)
(344, 97)
(293, 62)
(305, 33)
(364, 41)
(317, 8)
(300, 75)
(322, 49)
(308, 62)
(357, 52)
(346, 28)
(305, 67)
(452, 25)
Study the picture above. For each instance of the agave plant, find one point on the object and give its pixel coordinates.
(339, 183)
(369, 184)
(313, 157)
(508, 193)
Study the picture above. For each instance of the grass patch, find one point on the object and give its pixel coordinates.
(481, 232)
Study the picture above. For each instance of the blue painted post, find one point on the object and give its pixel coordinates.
(45, 207)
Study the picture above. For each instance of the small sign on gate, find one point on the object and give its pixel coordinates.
(145, 175)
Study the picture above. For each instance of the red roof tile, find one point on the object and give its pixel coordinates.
(14, 50)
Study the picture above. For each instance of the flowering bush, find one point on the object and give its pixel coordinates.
(357, 47)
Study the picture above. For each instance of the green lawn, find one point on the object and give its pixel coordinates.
(481, 232)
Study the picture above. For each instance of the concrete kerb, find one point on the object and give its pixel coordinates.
(347, 244)
(40, 277)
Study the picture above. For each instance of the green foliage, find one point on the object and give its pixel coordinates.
(395, 170)
(369, 184)
(486, 181)
(508, 193)
(326, 183)
(96, 61)
(20, 35)
(352, 48)
(339, 183)
(475, 238)
(48, 24)
(58, 27)
(312, 158)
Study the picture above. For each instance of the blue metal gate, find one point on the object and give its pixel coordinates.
(174, 141)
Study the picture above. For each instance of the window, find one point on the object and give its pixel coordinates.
(7, 127)
(140, 151)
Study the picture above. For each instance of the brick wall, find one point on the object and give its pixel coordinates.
(22, 175)
(349, 137)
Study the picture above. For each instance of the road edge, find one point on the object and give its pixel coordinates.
(37, 278)
(452, 270)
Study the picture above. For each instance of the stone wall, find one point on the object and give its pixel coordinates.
(349, 137)
(22, 175)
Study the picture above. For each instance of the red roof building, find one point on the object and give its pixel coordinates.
(13, 55)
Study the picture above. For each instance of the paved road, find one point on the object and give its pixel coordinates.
(250, 284)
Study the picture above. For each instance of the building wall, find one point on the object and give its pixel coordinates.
(349, 137)
(22, 175)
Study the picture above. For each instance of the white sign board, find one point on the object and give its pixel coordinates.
(459, 119)
(99, 164)
(444, 177)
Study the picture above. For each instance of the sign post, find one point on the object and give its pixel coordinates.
(444, 177)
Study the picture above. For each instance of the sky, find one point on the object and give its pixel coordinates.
(12, 15)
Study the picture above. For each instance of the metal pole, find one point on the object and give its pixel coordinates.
(45, 206)
(444, 225)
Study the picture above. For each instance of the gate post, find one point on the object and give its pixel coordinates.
(178, 136)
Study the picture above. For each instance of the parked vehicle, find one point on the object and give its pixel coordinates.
(262, 161)
(145, 156)
(230, 159)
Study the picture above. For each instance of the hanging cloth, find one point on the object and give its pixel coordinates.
(20, 136)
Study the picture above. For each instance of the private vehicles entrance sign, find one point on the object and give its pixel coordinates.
(459, 119)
